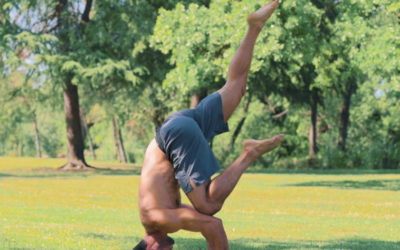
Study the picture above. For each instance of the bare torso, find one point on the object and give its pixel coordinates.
(158, 187)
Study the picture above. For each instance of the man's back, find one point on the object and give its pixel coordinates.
(158, 188)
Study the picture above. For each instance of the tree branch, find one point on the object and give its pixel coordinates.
(266, 101)
(280, 114)
(59, 8)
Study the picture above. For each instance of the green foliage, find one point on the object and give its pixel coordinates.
(142, 60)
(199, 40)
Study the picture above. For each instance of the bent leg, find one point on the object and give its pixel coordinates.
(235, 86)
(209, 197)
(172, 220)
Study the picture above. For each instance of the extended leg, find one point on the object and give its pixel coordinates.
(172, 220)
(235, 86)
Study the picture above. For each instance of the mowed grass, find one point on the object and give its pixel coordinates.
(43, 208)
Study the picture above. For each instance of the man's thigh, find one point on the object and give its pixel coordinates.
(200, 199)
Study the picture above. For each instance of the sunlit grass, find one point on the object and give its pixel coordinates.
(49, 167)
(30, 163)
(7, 163)
(99, 210)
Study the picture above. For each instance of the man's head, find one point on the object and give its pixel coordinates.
(156, 241)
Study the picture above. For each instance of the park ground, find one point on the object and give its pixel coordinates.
(44, 208)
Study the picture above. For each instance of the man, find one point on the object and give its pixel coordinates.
(180, 156)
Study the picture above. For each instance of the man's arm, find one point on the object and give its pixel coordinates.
(187, 218)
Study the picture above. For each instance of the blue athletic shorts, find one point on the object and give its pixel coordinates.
(184, 138)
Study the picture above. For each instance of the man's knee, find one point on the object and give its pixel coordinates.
(158, 219)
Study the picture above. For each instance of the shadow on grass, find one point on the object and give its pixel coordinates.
(56, 173)
(325, 171)
(393, 185)
(5, 175)
(109, 171)
(112, 237)
(247, 244)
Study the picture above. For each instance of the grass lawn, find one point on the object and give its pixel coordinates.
(43, 208)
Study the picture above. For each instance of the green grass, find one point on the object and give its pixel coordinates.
(43, 208)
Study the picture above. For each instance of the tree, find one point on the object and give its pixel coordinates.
(44, 29)
(286, 64)
(197, 39)
(75, 50)
(349, 28)
(379, 59)
(203, 41)
(337, 69)
(123, 65)
(22, 99)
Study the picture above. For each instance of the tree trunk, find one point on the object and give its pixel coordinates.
(196, 98)
(20, 143)
(118, 141)
(122, 152)
(313, 128)
(240, 125)
(85, 132)
(344, 120)
(115, 137)
(76, 157)
(37, 141)
(398, 17)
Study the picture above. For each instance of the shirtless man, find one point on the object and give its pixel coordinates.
(180, 156)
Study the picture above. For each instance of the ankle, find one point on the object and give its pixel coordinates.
(255, 28)
(249, 155)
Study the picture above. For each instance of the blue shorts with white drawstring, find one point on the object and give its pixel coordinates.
(184, 137)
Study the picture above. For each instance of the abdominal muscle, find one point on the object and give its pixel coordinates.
(158, 187)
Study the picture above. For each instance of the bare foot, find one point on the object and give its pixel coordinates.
(259, 17)
(256, 148)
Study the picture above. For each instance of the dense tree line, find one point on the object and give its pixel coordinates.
(103, 74)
